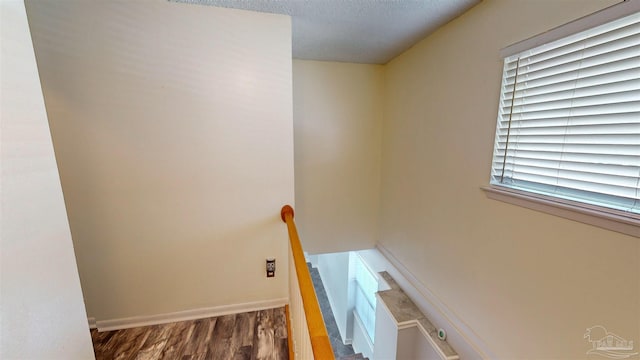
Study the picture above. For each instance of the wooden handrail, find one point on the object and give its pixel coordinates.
(317, 330)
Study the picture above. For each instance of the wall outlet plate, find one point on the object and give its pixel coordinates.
(271, 267)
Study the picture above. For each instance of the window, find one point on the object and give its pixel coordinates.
(569, 119)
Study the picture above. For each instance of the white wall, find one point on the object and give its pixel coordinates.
(174, 134)
(412, 344)
(337, 111)
(527, 283)
(334, 271)
(42, 315)
(385, 346)
(360, 340)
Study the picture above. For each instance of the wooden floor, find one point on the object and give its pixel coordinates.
(259, 335)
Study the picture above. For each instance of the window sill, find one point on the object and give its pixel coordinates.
(611, 220)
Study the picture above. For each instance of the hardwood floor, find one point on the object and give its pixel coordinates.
(258, 335)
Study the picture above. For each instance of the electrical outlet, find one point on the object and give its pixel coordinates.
(271, 267)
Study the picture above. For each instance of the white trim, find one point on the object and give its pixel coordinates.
(416, 323)
(603, 16)
(358, 325)
(434, 344)
(192, 314)
(459, 335)
(592, 215)
(375, 275)
(92, 323)
(399, 325)
(356, 318)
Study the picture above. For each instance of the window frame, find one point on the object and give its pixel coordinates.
(611, 219)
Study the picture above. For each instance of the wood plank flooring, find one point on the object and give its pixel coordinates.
(258, 335)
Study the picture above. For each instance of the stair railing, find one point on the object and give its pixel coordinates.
(308, 338)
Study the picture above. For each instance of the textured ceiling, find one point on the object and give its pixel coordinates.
(360, 31)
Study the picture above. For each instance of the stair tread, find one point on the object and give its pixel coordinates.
(357, 356)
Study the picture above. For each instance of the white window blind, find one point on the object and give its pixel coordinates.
(569, 118)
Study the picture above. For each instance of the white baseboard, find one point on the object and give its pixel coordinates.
(192, 314)
(92, 323)
(467, 343)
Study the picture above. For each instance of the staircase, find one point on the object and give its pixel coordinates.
(340, 350)
(357, 356)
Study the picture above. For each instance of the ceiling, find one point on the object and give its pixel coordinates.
(359, 31)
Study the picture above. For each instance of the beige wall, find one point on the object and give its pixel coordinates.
(42, 315)
(173, 129)
(337, 111)
(527, 283)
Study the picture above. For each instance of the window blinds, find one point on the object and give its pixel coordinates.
(569, 118)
